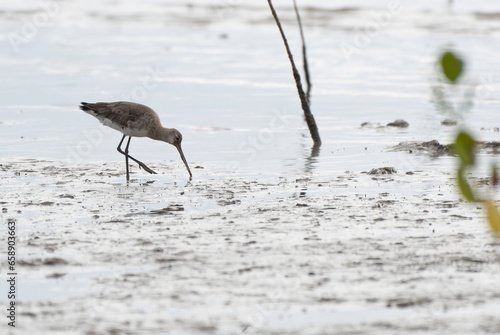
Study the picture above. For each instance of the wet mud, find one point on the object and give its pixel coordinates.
(435, 149)
(354, 253)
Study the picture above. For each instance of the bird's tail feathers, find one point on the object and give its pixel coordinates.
(84, 106)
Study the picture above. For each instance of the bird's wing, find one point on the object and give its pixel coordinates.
(117, 113)
(122, 114)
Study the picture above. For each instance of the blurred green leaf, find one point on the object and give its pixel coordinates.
(451, 65)
(464, 186)
(493, 216)
(464, 148)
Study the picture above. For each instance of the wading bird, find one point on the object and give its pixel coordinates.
(137, 120)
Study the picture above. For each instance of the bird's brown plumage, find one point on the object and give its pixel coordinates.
(127, 117)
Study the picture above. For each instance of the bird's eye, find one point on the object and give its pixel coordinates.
(177, 139)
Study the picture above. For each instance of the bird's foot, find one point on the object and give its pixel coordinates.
(142, 165)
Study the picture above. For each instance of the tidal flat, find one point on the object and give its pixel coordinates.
(367, 235)
(356, 253)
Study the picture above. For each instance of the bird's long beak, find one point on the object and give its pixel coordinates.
(178, 146)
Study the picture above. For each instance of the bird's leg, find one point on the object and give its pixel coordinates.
(141, 164)
(126, 157)
(119, 148)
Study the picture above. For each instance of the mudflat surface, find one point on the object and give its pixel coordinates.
(352, 254)
(365, 236)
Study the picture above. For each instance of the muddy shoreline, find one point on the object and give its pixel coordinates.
(292, 255)
(361, 237)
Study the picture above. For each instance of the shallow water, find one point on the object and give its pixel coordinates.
(267, 237)
(226, 83)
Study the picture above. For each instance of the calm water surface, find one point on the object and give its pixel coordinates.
(219, 73)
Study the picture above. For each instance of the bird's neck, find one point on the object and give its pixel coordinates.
(161, 134)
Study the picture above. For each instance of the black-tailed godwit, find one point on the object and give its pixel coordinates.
(132, 119)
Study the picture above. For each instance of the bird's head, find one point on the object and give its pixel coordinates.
(176, 138)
